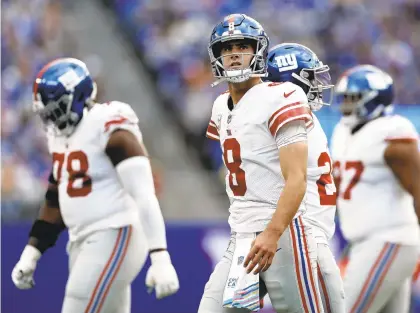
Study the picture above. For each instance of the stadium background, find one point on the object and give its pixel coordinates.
(153, 55)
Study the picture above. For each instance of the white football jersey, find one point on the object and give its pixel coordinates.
(321, 192)
(371, 202)
(247, 135)
(91, 196)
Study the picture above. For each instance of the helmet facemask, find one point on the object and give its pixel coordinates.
(256, 68)
(57, 115)
(353, 103)
(352, 106)
(318, 79)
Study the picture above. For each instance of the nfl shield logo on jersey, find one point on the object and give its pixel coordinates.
(219, 119)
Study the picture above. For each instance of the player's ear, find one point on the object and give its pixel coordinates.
(123, 144)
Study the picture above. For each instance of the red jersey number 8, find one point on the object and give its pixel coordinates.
(233, 161)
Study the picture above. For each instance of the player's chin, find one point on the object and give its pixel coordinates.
(235, 68)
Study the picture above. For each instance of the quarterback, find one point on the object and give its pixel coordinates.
(262, 129)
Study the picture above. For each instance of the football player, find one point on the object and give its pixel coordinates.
(292, 62)
(101, 190)
(377, 169)
(262, 130)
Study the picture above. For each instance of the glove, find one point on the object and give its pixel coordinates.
(22, 274)
(161, 275)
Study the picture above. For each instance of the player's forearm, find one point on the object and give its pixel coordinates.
(293, 163)
(289, 202)
(136, 177)
(50, 212)
(49, 224)
(154, 224)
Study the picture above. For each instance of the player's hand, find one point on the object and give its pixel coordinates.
(262, 252)
(161, 275)
(22, 274)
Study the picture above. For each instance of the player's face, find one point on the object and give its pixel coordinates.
(237, 55)
(349, 103)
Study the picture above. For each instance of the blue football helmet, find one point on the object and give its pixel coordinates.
(61, 91)
(238, 27)
(298, 64)
(364, 92)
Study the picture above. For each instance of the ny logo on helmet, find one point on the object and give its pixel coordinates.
(286, 62)
(70, 80)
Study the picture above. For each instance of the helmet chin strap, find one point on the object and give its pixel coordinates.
(221, 80)
(237, 76)
(305, 81)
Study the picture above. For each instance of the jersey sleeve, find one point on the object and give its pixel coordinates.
(289, 104)
(402, 131)
(292, 132)
(213, 129)
(118, 115)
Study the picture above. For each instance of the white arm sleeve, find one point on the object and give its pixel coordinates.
(292, 132)
(136, 177)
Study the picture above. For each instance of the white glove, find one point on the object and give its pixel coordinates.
(22, 274)
(161, 275)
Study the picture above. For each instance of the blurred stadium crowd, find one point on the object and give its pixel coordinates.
(172, 38)
(33, 33)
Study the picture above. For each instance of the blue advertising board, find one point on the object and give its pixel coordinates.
(195, 249)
